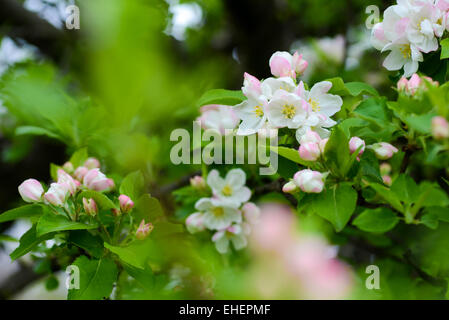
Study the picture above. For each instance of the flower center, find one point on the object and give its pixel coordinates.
(218, 212)
(315, 105)
(289, 111)
(405, 50)
(258, 111)
(227, 191)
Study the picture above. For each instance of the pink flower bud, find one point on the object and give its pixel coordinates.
(90, 207)
(195, 223)
(309, 151)
(57, 194)
(356, 143)
(31, 191)
(309, 181)
(65, 178)
(96, 180)
(92, 163)
(414, 83)
(322, 145)
(310, 136)
(290, 187)
(299, 64)
(80, 172)
(126, 204)
(198, 182)
(281, 65)
(68, 167)
(385, 169)
(144, 230)
(251, 86)
(440, 128)
(403, 84)
(383, 150)
(251, 212)
(387, 180)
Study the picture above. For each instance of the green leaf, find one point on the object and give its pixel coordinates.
(102, 201)
(4, 237)
(144, 277)
(79, 157)
(357, 88)
(444, 49)
(432, 215)
(128, 255)
(291, 154)
(405, 189)
(388, 196)
(37, 131)
(351, 88)
(221, 97)
(27, 243)
(97, 279)
(421, 123)
(431, 195)
(375, 111)
(337, 153)
(86, 241)
(336, 204)
(133, 185)
(378, 220)
(27, 211)
(51, 222)
(148, 208)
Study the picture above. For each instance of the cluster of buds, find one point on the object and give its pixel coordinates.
(415, 84)
(283, 64)
(69, 182)
(311, 146)
(307, 181)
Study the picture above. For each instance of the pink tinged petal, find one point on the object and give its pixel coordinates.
(309, 151)
(31, 191)
(440, 128)
(280, 67)
(394, 61)
(126, 204)
(92, 163)
(402, 84)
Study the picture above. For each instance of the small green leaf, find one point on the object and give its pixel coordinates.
(405, 189)
(102, 201)
(337, 153)
(27, 243)
(37, 131)
(79, 157)
(86, 241)
(357, 88)
(378, 220)
(444, 49)
(388, 196)
(148, 208)
(336, 204)
(27, 211)
(50, 222)
(97, 279)
(133, 185)
(128, 255)
(221, 97)
(4, 237)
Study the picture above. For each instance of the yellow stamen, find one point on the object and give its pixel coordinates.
(405, 50)
(315, 105)
(258, 111)
(227, 191)
(289, 111)
(218, 212)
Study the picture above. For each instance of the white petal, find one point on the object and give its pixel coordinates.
(236, 178)
(239, 242)
(394, 61)
(222, 245)
(203, 204)
(214, 180)
(329, 104)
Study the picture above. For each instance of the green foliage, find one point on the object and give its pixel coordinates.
(378, 220)
(97, 278)
(222, 97)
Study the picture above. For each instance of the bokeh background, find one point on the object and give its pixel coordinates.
(134, 71)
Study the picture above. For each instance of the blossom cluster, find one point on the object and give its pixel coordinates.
(277, 102)
(312, 146)
(410, 29)
(227, 213)
(61, 195)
